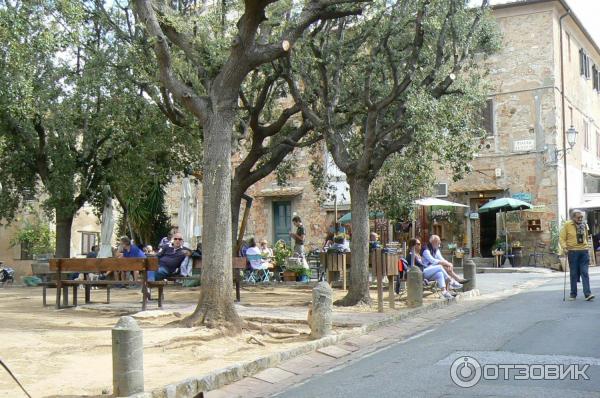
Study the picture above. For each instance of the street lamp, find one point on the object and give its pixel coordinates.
(571, 139)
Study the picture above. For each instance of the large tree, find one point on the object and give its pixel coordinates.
(212, 97)
(269, 128)
(400, 75)
(69, 121)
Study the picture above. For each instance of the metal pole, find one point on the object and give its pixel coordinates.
(564, 133)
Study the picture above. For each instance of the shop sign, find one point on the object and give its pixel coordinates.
(440, 214)
(474, 216)
(524, 196)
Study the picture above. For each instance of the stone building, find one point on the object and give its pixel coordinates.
(274, 206)
(523, 155)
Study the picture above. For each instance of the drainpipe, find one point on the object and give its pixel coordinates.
(562, 92)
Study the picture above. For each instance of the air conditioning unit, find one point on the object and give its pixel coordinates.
(441, 190)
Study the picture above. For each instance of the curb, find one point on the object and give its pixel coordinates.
(518, 270)
(191, 387)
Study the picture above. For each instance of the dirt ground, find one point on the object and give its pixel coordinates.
(67, 352)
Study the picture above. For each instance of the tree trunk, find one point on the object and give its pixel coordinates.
(64, 222)
(358, 291)
(236, 204)
(215, 307)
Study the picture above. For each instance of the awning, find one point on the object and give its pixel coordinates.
(589, 204)
(280, 191)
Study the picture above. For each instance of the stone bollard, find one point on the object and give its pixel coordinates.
(128, 358)
(320, 317)
(414, 287)
(469, 271)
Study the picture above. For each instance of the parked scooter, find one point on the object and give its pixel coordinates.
(7, 274)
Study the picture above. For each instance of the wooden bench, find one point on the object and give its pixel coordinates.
(97, 265)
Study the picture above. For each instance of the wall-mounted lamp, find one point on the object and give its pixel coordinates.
(571, 139)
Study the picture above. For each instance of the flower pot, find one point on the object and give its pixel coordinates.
(302, 278)
(289, 276)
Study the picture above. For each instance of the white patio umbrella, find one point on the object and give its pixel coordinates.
(429, 201)
(106, 230)
(437, 202)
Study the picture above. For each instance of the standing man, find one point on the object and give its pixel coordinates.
(574, 243)
(298, 236)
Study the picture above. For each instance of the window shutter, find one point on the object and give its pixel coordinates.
(581, 62)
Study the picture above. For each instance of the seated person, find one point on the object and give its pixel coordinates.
(171, 257)
(149, 251)
(374, 241)
(253, 250)
(430, 272)
(267, 253)
(433, 256)
(265, 250)
(198, 252)
(130, 251)
(328, 241)
(339, 245)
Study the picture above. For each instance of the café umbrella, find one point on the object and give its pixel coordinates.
(503, 205)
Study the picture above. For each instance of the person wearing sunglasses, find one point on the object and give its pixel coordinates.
(171, 257)
(430, 272)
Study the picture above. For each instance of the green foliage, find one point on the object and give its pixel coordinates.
(281, 251)
(37, 236)
(555, 235)
(403, 179)
(379, 92)
(73, 115)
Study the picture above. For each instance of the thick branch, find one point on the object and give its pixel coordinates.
(195, 104)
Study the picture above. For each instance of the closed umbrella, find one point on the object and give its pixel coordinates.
(106, 230)
(186, 218)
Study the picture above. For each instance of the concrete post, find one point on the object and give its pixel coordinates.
(414, 287)
(469, 272)
(321, 319)
(128, 358)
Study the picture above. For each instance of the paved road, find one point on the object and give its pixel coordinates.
(531, 327)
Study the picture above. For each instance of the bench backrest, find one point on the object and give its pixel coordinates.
(104, 264)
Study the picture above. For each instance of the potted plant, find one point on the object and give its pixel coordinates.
(517, 253)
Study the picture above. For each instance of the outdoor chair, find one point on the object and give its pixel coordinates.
(258, 272)
(538, 252)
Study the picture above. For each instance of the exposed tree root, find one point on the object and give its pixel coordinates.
(351, 300)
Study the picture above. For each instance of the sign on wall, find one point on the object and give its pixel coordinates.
(523, 145)
(524, 196)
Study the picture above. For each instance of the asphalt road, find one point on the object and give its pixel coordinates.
(534, 327)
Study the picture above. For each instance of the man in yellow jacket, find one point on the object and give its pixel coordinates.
(574, 243)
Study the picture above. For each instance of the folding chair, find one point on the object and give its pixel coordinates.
(259, 272)
(538, 252)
